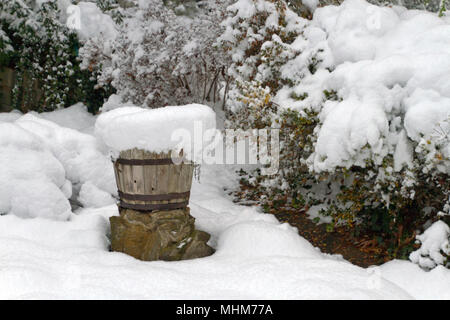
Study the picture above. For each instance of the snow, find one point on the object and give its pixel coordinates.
(279, 240)
(403, 152)
(430, 285)
(256, 257)
(91, 196)
(78, 152)
(94, 23)
(50, 259)
(311, 4)
(244, 9)
(389, 67)
(314, 213)
(434, 244)
(425, 108)
(10, 116)
(157, 130)
(33, 180)
(114, 101)
(45, 164)
(74, 117)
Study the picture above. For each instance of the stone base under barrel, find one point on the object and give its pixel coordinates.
(159, 235)
(154, 221)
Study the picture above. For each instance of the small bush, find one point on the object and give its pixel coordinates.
(175, 59)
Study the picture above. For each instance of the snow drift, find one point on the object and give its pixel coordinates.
(45, 165)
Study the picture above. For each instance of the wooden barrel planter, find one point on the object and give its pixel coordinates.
(150, 181)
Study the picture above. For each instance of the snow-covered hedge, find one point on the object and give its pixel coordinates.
(391, 115)
(45, 165)
(33, 180)
(43, 51)
(361, 93)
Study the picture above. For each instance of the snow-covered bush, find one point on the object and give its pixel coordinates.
(305, 8)
(45, 165)
(392, 96)
(438, 6)
(33, 180)
(43, 51)
(273, 51)
(259, 37)
(435, 247)
(163, 58)
(113, 8)
(365, 110)
(79, 153)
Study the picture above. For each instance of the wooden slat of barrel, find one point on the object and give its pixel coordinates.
(161, 176)
(137, 174)
(118, 176)
(158, 176)
(174, 185)
(186, 175)
(127, 171)
(150, 183)
(159, 179)
(168, 180)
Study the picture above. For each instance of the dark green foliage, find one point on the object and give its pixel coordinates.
(44, 54)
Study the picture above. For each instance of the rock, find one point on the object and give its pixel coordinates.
(158, 235)
(197, 244)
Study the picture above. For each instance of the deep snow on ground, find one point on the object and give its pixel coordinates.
(256, 257)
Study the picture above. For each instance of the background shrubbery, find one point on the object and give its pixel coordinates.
(44, 54)
(165, 54)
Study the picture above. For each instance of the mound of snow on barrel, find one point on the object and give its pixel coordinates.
(157, 130)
